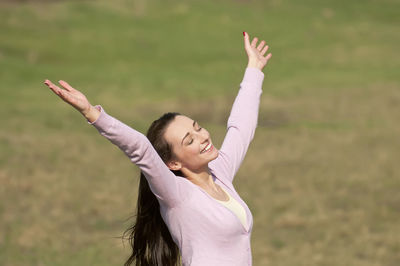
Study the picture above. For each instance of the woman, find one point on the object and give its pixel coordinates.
(187, 203)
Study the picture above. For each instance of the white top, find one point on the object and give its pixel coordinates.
(235, 207)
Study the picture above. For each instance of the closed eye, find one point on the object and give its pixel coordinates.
(198, 129)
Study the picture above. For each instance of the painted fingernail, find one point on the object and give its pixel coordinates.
(244, 33)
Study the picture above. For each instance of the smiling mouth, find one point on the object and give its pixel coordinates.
(207, 148)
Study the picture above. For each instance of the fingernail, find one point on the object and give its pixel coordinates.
(244, 33)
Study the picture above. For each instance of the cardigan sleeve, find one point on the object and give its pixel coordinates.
(167, 187)
(241, 125)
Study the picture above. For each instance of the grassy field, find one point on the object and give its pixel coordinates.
(320, 177)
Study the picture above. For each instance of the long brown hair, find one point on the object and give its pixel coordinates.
(149, 237)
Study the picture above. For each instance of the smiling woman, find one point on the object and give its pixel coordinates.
(190, 156)
(187, 204)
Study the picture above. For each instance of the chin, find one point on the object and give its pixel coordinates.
(215, 156)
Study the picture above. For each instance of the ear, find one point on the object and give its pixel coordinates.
(174, 165)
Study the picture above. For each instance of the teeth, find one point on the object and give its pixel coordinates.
(206, 148)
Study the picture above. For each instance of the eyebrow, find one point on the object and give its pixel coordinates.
(187, 134)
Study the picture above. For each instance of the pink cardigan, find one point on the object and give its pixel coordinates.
(206, 232)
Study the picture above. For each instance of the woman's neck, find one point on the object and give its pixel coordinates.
(202, 178)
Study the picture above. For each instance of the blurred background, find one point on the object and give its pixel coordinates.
(321, 176)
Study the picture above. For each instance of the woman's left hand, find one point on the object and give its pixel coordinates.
(256, 52)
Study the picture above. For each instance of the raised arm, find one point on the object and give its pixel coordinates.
(242, 121)
(164, 184)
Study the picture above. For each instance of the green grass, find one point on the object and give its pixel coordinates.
(321, 176)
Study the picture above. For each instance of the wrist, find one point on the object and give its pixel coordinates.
(255, 64)
(86, 111)
(91, 114)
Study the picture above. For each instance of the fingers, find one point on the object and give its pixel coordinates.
(261, 45)
(268, 56)
(264, 50)
(66, 86)
(57, 90)
(254, 42)
(53, 87)
(246, 40)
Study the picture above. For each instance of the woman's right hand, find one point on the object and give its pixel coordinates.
(71, 96)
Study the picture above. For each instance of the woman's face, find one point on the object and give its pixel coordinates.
(191, 144)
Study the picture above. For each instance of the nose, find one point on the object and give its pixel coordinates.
(204, 136)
